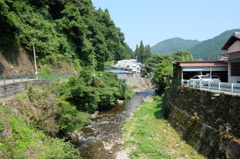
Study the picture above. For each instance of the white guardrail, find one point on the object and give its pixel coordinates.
(233, 88)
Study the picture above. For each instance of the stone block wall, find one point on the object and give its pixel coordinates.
(208, 121)
(15, 88)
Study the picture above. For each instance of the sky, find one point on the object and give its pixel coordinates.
(153, 21)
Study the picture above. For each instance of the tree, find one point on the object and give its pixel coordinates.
(137, 52)
(161, 66)
(70, 29)
(142, 53)
(162, 76)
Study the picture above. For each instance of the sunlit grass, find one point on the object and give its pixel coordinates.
(148, 135)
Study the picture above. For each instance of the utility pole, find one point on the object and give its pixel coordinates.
(35, 62)
(93, 68)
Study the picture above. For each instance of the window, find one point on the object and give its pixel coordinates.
(235, 69)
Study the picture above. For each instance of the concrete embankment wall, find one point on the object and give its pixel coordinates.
(138, 83)
(209, 122)
(14, 88)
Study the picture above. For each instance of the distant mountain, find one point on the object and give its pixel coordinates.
(211, 49)
(172, 45)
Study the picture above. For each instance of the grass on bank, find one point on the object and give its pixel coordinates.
(148, 135)
(18, 140)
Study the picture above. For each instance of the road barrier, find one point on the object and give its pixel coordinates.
(6, 79)
(232, 88)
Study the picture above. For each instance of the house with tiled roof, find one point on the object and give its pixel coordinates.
(184, 70)
(121, 73)
(227, 68)
(232, 46)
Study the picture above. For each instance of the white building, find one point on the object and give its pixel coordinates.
(132, 64)
(233, 51)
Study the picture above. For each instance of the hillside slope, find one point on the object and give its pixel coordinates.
(172, 45)
(211, 49)
(61, 31)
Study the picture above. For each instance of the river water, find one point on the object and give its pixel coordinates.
(102, 139)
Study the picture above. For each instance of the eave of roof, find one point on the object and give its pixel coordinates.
(115, 66)
(231, 40)
(204, 65)
(220, 61)
(209, 63)
(119, 72)
(231, 52)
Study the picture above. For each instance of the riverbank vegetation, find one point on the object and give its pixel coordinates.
(32, 121)
(148, 135)
(161, 68)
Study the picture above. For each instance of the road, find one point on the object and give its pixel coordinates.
(9, 81)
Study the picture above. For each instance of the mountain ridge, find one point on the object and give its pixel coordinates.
(172, 45)
(209, 49)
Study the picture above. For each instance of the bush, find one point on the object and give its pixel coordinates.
(71, 119)
(89, 93)
(25, 142)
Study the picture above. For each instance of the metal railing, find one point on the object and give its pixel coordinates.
(232, 88)
(5, 79)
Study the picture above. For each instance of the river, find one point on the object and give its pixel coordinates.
(102, 139)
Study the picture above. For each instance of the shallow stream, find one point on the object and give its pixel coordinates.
(103, 137)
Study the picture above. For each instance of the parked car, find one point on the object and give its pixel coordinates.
(216, 78)
(203, 79)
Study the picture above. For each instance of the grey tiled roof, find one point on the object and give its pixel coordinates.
(237, 35)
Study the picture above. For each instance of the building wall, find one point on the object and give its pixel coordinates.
(234, 46)
(231, 58)
(123, 76)
(234, 56)
(132, 63)
(232, 79)
(207, 121)
(125, 63)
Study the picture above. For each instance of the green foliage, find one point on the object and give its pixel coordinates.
(162, 76)
(89, 93)
(71, 119)
(211, 49)
(2, 127)
(45, 69)
(28, 143)
(71, 30)
(172, 45)
(31, 93)
(27, 122)
(56, 148)
(161, 65)
(142, 53)
(21, 96)
(147, 135)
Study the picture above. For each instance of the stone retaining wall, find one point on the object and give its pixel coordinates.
(138, 84)
(208, 121)
(14, 88)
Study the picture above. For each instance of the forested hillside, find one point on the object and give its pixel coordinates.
(211, 49)
(172, 45)
(69, 31)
